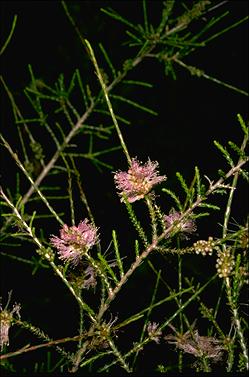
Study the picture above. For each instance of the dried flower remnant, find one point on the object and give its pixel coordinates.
(183, 226)
(138, 181)
(83, 278)
(90, 278)
(225, 263)
(75, 241)
(244, 273)
(199, 346)
(244, 238)
(6, 320)
(153, 332)
(105, 332)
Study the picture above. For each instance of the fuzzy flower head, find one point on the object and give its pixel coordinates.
(153, 331)
(138, 181)
(75, 241)
(184, 226)
(6, 320)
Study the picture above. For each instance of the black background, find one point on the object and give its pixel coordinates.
(192, 113)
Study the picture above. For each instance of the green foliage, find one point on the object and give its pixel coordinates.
(225, 153)
(135, 222)
(169, 42)
(117, 253)
(8, 39)
(174, 197)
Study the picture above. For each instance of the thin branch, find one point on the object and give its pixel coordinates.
(47, 255)
(198, 72)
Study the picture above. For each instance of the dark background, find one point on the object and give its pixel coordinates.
(192, 113)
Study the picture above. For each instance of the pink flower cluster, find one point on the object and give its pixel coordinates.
(75, 241)
(138, 181)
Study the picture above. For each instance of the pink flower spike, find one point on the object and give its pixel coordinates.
(75, 241)
(138, 181)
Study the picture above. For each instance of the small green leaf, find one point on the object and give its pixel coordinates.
(133, 103)
(224, 152)
(242, 124)
(174, 197)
